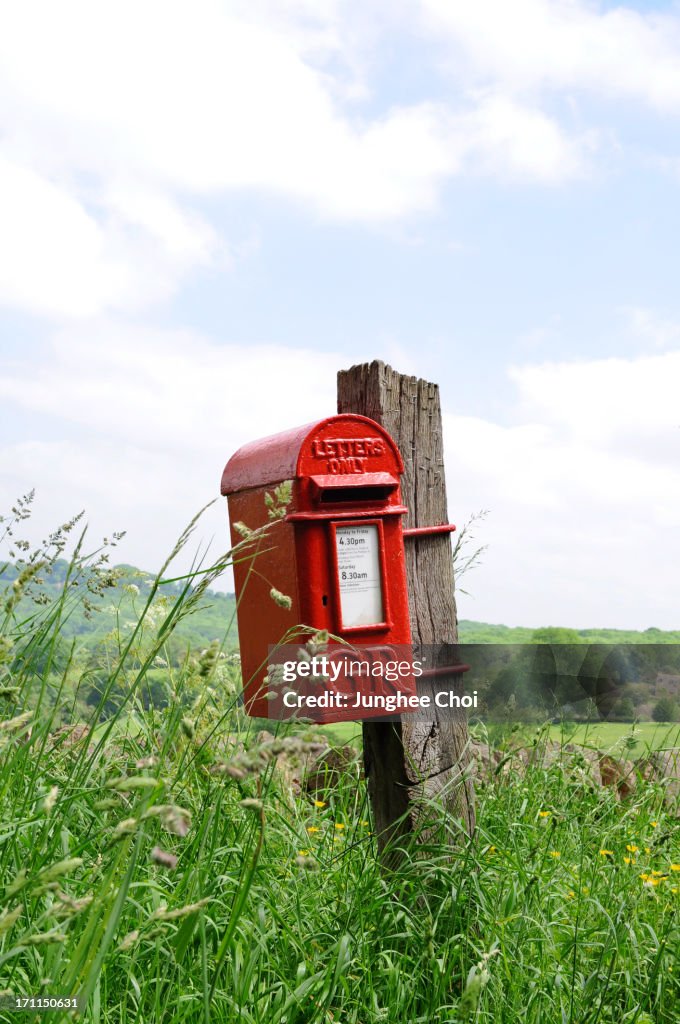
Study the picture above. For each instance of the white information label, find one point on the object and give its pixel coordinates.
(361, 599)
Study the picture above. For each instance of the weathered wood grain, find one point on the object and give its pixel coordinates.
(422, 763)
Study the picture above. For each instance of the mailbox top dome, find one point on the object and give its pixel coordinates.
(339, 445)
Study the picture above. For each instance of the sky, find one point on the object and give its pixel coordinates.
(208, 209)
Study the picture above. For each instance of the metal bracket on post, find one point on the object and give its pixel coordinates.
(415, 532)
(445, 670)
(429, 531)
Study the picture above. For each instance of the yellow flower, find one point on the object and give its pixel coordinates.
(675, 867)
(555, 853)
(364, 824)
(658, 873)
(644, 876)
(648, 849)
(654, 824)
(631, 848)
(313, 828)
(606, 853)
(492, 849)
(319, 803)
(544, 814)
(629, 860)
(571, 894)
(303, 853)
(339, 825)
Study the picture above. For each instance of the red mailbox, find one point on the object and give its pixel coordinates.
(338, 553)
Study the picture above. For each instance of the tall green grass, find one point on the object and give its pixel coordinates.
(159, 862)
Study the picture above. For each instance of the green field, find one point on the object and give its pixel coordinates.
(609, 737)
(162, 862)
(621, 738)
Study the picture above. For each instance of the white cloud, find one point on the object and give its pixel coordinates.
(530, 45)
(659, 331)
(584, 498)
(510, 140)
(58, 257)
(173, 389)
(115, 120)
(603, 400)
(136, 425)
(585, 507)
(202, 104)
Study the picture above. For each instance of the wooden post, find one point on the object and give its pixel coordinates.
(414, 759)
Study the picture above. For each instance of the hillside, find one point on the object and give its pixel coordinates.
(484, 633)
(118, 607)
(215, 619)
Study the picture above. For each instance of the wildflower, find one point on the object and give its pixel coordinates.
(629, 860)
(364, 824)
(313, 828)
(126, 784)
(339, 825)
(306, 862)
(675, 867)
(242, 530)
(654, 824)
(282, 600)
(555, 853)
(606, 853)
(571, 894)
(8, 917)
(50, 800)
(162, 857)
(252, 804)
(544, 814)
(124, 827)
(632, 848)
(319, 803)
(147, 762)
(43, 938)
(303, 853)
(129, 940)
(648, 849)
(492, 849)
(63, 867)
(660, 873)
(16, 723)
(163, 914)
(173, 819)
